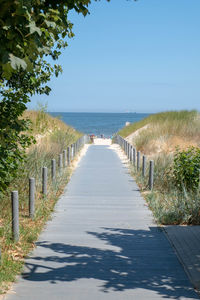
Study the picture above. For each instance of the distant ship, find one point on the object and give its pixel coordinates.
(129, 112)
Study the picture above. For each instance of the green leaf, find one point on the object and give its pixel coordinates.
(34, 28)
(5, 27)
(29, 64)
(7, 71)
(50, 24)
(16, 62)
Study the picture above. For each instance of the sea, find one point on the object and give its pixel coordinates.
(106, 124)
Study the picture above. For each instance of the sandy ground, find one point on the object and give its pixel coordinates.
(118, 150)
(79, 156)
(98, 141)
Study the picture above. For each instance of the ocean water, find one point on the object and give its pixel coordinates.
(98, 123)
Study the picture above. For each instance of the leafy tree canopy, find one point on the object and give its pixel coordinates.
(30, 30)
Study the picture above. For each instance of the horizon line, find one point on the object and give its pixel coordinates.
(98, 112)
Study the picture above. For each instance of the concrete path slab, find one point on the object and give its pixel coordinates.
(186, 241)
(102, 243)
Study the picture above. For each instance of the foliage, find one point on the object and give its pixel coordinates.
(186, 169)
(12, 141)
(30, 30)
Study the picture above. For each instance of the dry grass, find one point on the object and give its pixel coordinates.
(42, 121)
(163, 132)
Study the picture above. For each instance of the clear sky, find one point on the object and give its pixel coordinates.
(139, 56)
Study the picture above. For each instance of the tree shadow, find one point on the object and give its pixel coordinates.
(128, 259)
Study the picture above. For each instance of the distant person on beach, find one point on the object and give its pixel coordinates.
(92, 138)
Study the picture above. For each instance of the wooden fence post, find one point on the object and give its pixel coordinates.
(15, 215)
(60, 162)
(65, 158)
(151, 174)
(143, 165)
(31, 197)
(44, 180)
(138, 160)
(131, 154)
(53, 169)
(68, 156)
(134, 156)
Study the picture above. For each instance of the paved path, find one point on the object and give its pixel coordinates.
(102, 243)
(186, 241)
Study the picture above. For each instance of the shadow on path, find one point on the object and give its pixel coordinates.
(142, 260)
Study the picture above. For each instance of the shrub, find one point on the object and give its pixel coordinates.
(13, 136)
(187, 169)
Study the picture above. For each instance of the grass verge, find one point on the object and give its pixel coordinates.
(158, 137)
(168, 204)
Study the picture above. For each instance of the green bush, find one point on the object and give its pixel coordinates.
(186, 170)
(14, 136)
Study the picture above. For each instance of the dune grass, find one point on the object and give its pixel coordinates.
(162, 132)
(52, 136)
(173, 122)
(159, 137)
(42, 122)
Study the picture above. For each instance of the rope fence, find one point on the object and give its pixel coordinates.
(134, 156)
(64, 160)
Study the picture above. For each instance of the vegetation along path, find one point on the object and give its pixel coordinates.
(102, 242)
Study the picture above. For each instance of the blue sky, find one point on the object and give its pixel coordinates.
(139, 56)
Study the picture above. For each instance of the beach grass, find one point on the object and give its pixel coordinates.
(170, 129)
(159, 137)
